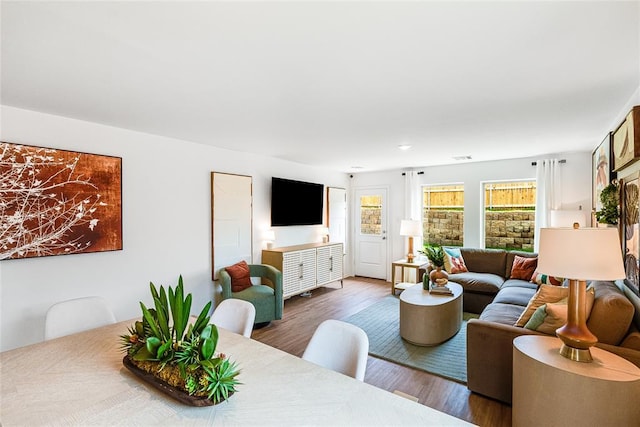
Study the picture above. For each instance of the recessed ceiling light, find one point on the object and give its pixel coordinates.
(462, 158)
(404, 147)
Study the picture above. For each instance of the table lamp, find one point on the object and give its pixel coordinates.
(324, 232)
(579, 254)
(566, 218)
(410, 228)
(269, 236)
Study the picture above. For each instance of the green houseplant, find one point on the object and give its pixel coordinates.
(178, 354)
(435, 254)
(437, 275)
(609, 197)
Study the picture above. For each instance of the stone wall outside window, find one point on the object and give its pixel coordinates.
(504, 229)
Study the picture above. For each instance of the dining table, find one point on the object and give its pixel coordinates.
(80, 379)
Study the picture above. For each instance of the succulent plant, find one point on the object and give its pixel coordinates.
(165, 336)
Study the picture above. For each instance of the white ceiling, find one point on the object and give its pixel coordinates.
(333, 84)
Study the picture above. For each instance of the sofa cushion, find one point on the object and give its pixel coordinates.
(632, 341)
(523, 267)
(611, 314)
(545, 294)
(517, 283)
(485, 260)
(545, 279)
(515, 295)
(550, 316)
(511, 255)
(453, 261)
(506, 314)
(483, 283)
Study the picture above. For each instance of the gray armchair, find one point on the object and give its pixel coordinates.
(266, 297)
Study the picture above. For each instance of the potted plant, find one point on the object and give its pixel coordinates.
(436, 255)
(176, 356)
(609, 197)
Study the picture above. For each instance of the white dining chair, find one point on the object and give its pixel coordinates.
(339, 346)
(235, 315)
(77, 315)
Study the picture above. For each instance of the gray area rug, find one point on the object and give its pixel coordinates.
(381, 323)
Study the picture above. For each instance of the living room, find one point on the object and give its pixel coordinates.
(166, 189)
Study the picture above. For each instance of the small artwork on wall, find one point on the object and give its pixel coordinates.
(601, 170)
(57, 202)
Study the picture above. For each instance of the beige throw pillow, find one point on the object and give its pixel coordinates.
(551, 316)
(545, 294)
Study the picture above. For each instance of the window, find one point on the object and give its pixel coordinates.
(371, 215)
(443, 214)
(509, 215)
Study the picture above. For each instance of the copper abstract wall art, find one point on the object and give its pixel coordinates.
(56, 202)
(630, 224)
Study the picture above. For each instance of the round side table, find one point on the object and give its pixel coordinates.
(551, 390)
(429, 319)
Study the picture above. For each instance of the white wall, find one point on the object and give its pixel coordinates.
(576, 190)
(166, 221)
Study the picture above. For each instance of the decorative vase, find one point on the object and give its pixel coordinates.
(436, 274)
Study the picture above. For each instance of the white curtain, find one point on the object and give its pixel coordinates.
(548, 195)
(413, 202)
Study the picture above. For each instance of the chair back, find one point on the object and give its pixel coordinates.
(77, 315)
(339, 346)
(235, 315)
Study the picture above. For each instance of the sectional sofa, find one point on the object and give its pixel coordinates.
(500, 300)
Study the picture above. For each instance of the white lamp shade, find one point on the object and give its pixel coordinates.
(410, 227)
(269, 236)
(566, 218)
(581, 253)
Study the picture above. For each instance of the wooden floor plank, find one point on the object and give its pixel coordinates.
(303, 314)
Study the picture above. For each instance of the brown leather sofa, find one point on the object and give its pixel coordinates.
(489, 272)
(614, 319)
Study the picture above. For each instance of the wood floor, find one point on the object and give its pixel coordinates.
(303, 314)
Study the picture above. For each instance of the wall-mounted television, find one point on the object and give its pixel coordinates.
(296, 202)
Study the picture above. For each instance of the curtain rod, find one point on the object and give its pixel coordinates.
(419, 173)
(560, 161)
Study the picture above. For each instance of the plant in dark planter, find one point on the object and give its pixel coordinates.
(610, 199)
(177, 357)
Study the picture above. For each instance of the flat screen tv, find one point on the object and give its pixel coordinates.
(296, 202)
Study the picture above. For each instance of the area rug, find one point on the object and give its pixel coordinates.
(381, 323)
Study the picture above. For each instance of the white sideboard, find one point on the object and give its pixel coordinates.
(305, 267)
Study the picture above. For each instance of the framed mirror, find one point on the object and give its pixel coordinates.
(337, 215)
(231, 220)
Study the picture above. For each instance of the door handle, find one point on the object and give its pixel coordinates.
(384, 238)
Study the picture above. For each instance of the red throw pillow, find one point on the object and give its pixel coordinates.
(240, 277)
(523, 267)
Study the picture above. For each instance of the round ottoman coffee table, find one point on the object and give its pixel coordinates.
(430, 319)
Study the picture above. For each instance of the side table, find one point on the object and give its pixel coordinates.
(551, 390)
(402, 264)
